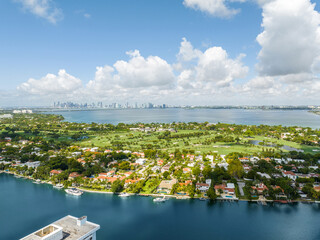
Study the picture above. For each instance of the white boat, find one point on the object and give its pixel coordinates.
(74, 191)
(160, 199)
(202, 199)
(316, 201)
(37, 181)
(58, 186)
(124, 195)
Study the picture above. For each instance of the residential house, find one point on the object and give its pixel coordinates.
(166, 186)
(246, 168)
(244, 159)
(127, 174)
(165, 168)
(285, 135)
(230, 188)
(260, 188)
(186, 170)
(103, 175)
(254, 159)
(202, 187)
(208, 181)
(130, 181)
(110, 173)
(290, 175)
(55, 172)
(264, 175)
(156, 168)
(186, 183)
(73, 175)
(141, 161)
(316, 188)
(160, 162)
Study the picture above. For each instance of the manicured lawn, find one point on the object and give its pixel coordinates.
(140, 140)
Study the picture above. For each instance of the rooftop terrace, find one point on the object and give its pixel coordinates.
(67, 228)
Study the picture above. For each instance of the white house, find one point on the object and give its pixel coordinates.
(202, 187)
(156, 168)
(290, 175)
(6, 116)
(225, 165)
(208, 181)
(72, 227)
(191, 164)
(254, 159)
(141, 161)
(264, 175)
(313, 167)
(210, 157)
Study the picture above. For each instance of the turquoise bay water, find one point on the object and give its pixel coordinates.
(237, 116)
(26, 207)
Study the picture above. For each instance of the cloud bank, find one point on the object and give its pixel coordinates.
(288, 65)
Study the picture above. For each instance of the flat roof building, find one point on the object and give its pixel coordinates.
(67, 228)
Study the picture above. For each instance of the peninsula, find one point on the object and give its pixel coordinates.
(182, 160)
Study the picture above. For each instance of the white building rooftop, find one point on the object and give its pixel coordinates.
(67, 228)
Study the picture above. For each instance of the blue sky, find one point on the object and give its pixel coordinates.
(86, 34)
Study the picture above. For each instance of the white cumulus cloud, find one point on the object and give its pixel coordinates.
(138, 74)
(187, 52)
(217, 8)
(51, 84)
(143, 72)
(42, 8)
(215, 66)
(212, 66)
(290, 41)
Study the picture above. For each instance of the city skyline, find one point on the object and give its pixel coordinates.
(188, 52)
(100, 104)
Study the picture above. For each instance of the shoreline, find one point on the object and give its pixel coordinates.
(173, 196)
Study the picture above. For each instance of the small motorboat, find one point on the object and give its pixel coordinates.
(124, 194)
(58, 186)
(38, 181)
(160, 199)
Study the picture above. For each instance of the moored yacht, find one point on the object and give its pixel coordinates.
(74, 191)
(160, 199)
(124, 194)
(58, 186)
(38, 181)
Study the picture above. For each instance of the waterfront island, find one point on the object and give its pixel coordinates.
(182, 160)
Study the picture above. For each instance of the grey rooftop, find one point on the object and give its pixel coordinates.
(67, 228)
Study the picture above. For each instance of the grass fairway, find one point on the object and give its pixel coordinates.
(135, 141)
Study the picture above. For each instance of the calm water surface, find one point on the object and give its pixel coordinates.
(237, 116)
(26, 207)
